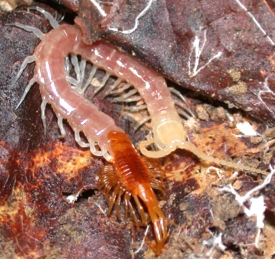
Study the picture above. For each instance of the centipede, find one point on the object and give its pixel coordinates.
(128, 175)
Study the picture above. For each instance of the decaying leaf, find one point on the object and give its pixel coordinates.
(221, 49)
(41, 175)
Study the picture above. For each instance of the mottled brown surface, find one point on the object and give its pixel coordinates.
(243, 76)
(38, 172)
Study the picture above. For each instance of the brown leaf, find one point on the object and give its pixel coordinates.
(217, 48)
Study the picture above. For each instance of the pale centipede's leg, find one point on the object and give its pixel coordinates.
(136, 108)
(102, 83)
(184, 115)
(27, 89)
(78, 139)
(104, 80)
(74, 83)
(28, 28)
(146, 119)
(107, 156)
(177, 93)
(26, 61)
(48, 16)
(185, 112)
(115, 84)
(82, 67)
(121, 89)
(93, 149)
(89, 80)
(43, 115)
(75, 63)
(128, 97)
(60, 125)
(185, 107)
(67, 65)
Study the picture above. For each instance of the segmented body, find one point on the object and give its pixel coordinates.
(81, 114)
(167, 126)
(131, 176)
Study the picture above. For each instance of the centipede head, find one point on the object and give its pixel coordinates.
(168, 136)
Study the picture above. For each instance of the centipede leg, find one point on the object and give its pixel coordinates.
(78, 139)
(94, 150)
(186, 111)
(60, 125)
(117, 204)
(137, 109)
(146, 119)
(26, 61)
(32, 29)
(115, 84)
(89, 80)
(74, 83)
(140, 210)
(27, 89)
(77, 69)
(48, 16)
(128, 97)
(43, 115)
(82, 67)
(112, 201)
(127, 197)
(121, 89)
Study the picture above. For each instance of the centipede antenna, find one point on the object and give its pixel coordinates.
(78, 139)
(48, 16)
(27, 89)
(43, 115)
(60, 125)
(28, 28)
(26, 61)
(192, 148)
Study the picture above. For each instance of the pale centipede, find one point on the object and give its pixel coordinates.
(131, 176)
